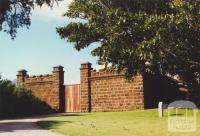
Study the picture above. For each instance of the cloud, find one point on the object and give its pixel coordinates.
(55, 14)
(98, 67)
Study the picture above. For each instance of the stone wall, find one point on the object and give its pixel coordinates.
(49, 88)
(109, 91)
(102, 90)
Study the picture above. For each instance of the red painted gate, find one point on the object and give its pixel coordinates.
(72, 98)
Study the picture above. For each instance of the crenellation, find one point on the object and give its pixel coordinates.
(110, 91)
(46, 87)
(100, 90)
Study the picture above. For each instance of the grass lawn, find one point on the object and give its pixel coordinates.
(134, 123)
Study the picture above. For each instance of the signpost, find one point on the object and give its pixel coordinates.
(160, 109)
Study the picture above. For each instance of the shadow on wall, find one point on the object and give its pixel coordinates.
(19, 102)
(160, 88)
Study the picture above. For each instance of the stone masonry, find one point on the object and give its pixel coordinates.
(49, 88)
(102, 90)
(107, 91)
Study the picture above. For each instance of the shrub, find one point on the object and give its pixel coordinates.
(7, 98)
(28, 104)
(18, 101)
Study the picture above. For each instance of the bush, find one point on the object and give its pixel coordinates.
(28, 104)
(7, 98)
(18, 101)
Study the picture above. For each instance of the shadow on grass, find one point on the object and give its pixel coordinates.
(61, 115)
(177, 114)
(51, 124)
(72, 114)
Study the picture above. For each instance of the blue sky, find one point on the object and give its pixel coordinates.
(40, 48)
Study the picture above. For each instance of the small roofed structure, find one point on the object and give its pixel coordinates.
(182, 104)
(185, 122)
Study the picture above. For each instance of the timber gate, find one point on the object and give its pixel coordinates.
(72, 98)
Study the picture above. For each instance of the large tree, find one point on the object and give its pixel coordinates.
(16, 13)
(155, 36)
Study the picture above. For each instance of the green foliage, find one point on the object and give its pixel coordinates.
(155, 36)
(16, 13)
(6, 98)
(27, 103)
(19, 101)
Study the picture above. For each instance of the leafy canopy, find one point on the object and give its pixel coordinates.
(16, 13)
(156, 36)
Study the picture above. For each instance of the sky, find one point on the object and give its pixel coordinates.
(39, 48)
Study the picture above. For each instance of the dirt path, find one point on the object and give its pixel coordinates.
(23, 127)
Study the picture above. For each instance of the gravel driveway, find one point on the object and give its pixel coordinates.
(23, 127)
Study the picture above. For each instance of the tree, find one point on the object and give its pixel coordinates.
(154, 36)
(6, 97)
(16, 13)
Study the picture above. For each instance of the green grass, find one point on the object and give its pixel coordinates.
(134, 123)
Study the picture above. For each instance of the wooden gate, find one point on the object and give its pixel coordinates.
(72, 98)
